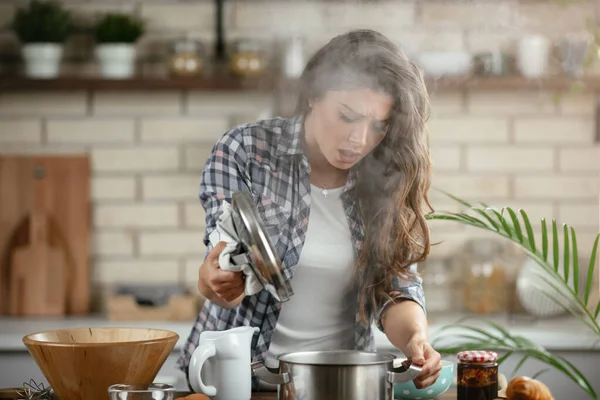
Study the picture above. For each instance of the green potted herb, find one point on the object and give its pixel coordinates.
(116, 35)
(42, 27)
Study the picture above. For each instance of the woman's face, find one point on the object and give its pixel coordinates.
(348, 124)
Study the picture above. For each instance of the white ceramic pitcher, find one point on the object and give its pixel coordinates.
(220, 365)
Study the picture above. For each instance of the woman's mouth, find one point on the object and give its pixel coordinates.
(348, 156)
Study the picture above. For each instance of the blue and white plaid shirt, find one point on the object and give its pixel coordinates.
(265, 158)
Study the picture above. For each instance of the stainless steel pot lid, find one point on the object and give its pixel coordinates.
(257, 245)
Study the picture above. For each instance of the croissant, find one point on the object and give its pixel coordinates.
(525, 388)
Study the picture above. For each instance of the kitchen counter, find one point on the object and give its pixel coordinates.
(564, 333)
(565, 337)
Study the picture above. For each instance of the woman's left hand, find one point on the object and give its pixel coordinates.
(424, 355)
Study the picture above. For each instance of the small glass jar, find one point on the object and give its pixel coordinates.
(186, 58)
(477, 375)
(248, 59)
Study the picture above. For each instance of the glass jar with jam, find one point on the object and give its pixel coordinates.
(248, 58)
(186, 58)
(477, 375)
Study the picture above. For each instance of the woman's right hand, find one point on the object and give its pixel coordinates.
(225, 288)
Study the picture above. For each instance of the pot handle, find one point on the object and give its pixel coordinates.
(268, 376)
(407, 371)
(199, 356)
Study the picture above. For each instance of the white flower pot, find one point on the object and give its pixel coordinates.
(42, 60)
(117, 61)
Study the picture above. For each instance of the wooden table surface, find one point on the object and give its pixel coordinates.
(449, 395)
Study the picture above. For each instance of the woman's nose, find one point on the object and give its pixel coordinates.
(359, 134)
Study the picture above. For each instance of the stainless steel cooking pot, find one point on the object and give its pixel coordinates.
(343, 374)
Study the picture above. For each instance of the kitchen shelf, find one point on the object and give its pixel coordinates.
(553, 83)
(218, 83)
(230, 83)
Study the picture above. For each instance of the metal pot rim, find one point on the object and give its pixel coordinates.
(303, 358)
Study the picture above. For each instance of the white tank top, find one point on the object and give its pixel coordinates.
(321, 313)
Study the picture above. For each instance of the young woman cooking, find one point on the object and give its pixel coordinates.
(345, 182)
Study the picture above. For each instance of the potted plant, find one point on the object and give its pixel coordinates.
(116, 34)
(42, 28)
(571, 288)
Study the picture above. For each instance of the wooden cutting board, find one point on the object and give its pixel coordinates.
(16, 201)
(39, 271)
(58, 186)
(62, 189)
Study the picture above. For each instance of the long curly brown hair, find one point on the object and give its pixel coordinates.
(393, 180)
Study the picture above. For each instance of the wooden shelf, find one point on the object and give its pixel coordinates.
(553, 83)
(229, 83)
(221, 83)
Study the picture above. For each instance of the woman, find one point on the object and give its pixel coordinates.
(341, 188)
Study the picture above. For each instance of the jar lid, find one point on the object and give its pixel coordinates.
(186, 45)
(249, 45)
(477, 356)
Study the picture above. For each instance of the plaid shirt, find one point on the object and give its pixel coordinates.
(265, 159)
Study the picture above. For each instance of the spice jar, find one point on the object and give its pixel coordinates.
(477, 375)
(248, 58)
(186, 58)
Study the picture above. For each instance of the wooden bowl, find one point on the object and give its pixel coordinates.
(81, 363)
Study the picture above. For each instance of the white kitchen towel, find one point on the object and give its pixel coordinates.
(225, 232)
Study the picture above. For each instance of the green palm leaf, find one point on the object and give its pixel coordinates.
(566, 290)
(520, 231)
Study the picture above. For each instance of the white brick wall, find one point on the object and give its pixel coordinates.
(146, 172)
(113, 188)
(560, 187)
(170, 187)
(130, 271)
(172, 243)
(506, 103)
(136, 215)
(21, 131)
(468, 129)
(135, 159)
(527, 149)
(554, 130)
(90, 131)
(509, 158)
(36, 104)
(107, 244)
(115, 103)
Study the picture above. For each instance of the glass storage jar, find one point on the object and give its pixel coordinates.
(484, 281)
(477, 375)
(186, 58)
(439, 283)
(248, 58)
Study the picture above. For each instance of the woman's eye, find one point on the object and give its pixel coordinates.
(347, 118)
